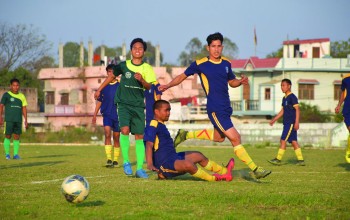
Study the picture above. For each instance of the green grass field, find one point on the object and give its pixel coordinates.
(30, 188)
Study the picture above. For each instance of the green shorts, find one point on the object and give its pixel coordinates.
(133, 117)
(12, 128)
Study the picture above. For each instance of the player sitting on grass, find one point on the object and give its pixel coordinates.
(162, 157)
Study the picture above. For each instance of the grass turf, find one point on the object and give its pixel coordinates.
(30, 188)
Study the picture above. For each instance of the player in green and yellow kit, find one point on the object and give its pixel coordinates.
(15, 106)
(136, 76)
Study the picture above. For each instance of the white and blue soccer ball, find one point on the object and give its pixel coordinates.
(75, 188)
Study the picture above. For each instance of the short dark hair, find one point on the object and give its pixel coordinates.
(140, 40)
(14, 80)
(109, 66)
(287, 81)
(215, 36)
(157, 104)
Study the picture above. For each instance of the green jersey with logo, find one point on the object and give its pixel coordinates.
(131, 91)
(13, 106)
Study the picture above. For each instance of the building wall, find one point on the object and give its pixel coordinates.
(31, 95)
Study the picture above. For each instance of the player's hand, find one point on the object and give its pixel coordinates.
(337, 109)
(26, 124)
(244, 80)
(271, 122)
(296, 126)
(138, 77)
(162, 88)
(151, 167)
(93, 120)
(97, 94)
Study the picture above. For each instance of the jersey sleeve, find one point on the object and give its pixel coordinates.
(148, 74)
(24, 100)
(151, 131)
(156, 89)
(343, 85)
(294, 100)
(117, 69)
(4, 98)
(192, 69)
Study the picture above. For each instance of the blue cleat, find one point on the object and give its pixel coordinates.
(16, 157)
(141, 174)
(127, 169)
(8, 157)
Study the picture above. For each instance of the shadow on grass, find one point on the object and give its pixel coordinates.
(91, 203)
(54, 155)
(22, 165)
(345, 165)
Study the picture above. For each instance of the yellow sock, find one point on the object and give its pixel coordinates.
(116, 153)
(242, 154)
(216, 168)
(201, 134)
(280, 153)
(108, 150)
(203, 175)
(298, 153)
(348, 149)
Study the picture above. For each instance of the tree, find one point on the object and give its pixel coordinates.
(71, 54)
(312, 114)
(340, 49)
(230, 49)
(276, 54)
(21, 44)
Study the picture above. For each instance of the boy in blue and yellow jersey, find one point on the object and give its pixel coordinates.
(216, 74)
(15, 106)
(344, 98)
(162, 157)
(105, 103)
(136, 76)
(291, 114)
(151, 95)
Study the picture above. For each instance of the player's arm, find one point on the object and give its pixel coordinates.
(280, 114)
(145, 84)
(97, 108)
(297, 117)
(237, 82)
(24, 112)
(108, 80)
(1, 111)
(176, 81)
(341, 100)
(149, 156)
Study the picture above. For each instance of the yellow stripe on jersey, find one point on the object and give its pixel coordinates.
(203, 60)
(205, 83)
(154, 123)
(346, 76)
(19, 96)
(217, 122)
(156, 143)
(227, 59)
(345, 93)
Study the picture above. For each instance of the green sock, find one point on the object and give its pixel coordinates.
(125, 145)
(140, 154)
(15, 147)
(7, 143)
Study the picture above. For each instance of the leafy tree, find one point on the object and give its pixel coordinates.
(21, 44)
(276, 54)
(71, 54)
(312, 114)
(230, 49)
(340, 49)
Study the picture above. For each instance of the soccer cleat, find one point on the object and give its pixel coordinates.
(180, 137)
(109, 163)
(115, 164)
(16, 157)
(141, 174)
(347, 156)
(127, 169)
(300, 163)
(275, 161)
(228, 175)
(8, 157)
(260, 172)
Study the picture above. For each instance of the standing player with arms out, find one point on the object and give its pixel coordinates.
(345, 98)
(15, 106)
(105, 103)
(216, 74)
(291, 114)
(135, 77)
(162, 157)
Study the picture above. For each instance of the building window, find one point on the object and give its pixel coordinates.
(64, 99)
(84, 96)
(50, 98)
(337, 92)
(306, 91)
(267, 94)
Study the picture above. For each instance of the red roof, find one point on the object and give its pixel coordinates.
(308, 41)
(256, 63)
(308, 81)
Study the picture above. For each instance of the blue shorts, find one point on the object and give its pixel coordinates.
(167, 168)
(111, 122)
(221, 120)
(289, 133)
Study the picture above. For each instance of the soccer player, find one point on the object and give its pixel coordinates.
(151, 95)
(344, 98)
(15, 106)
(136, 76)
(216, 74)
(105, 103)
(163, 158)
(291, 114)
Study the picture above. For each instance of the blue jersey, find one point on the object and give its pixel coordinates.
(108, 108)
(163, 147)
(345, 87)
(150, 98)
(289, 113)
(214, 78)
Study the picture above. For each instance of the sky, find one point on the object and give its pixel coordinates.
(172, 24)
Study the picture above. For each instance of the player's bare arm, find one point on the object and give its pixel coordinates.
(145, 84)
(341, 100)
(176, 81)
(97, 108)
(1, 111)
(297, 116)
(237, 82)
(280, 114)
(149, 158)
(24, 112)
(108, 80)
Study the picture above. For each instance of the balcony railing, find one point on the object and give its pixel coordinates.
(64, 109)
(245, 105)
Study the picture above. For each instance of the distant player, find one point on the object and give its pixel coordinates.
(151, 95)
(291, 114)
(15, 106)
(345, 98)
(216, 75)
(105, 103)
(162, 157)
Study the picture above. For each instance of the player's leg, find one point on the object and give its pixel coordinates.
(8, 129)
(197, 157)
(203, 134)
(299, 155)
(107, 123)
(17, 131)
(124, 123)
(347, 152)
(116, 142)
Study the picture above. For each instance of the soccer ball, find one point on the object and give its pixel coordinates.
(75, 188)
